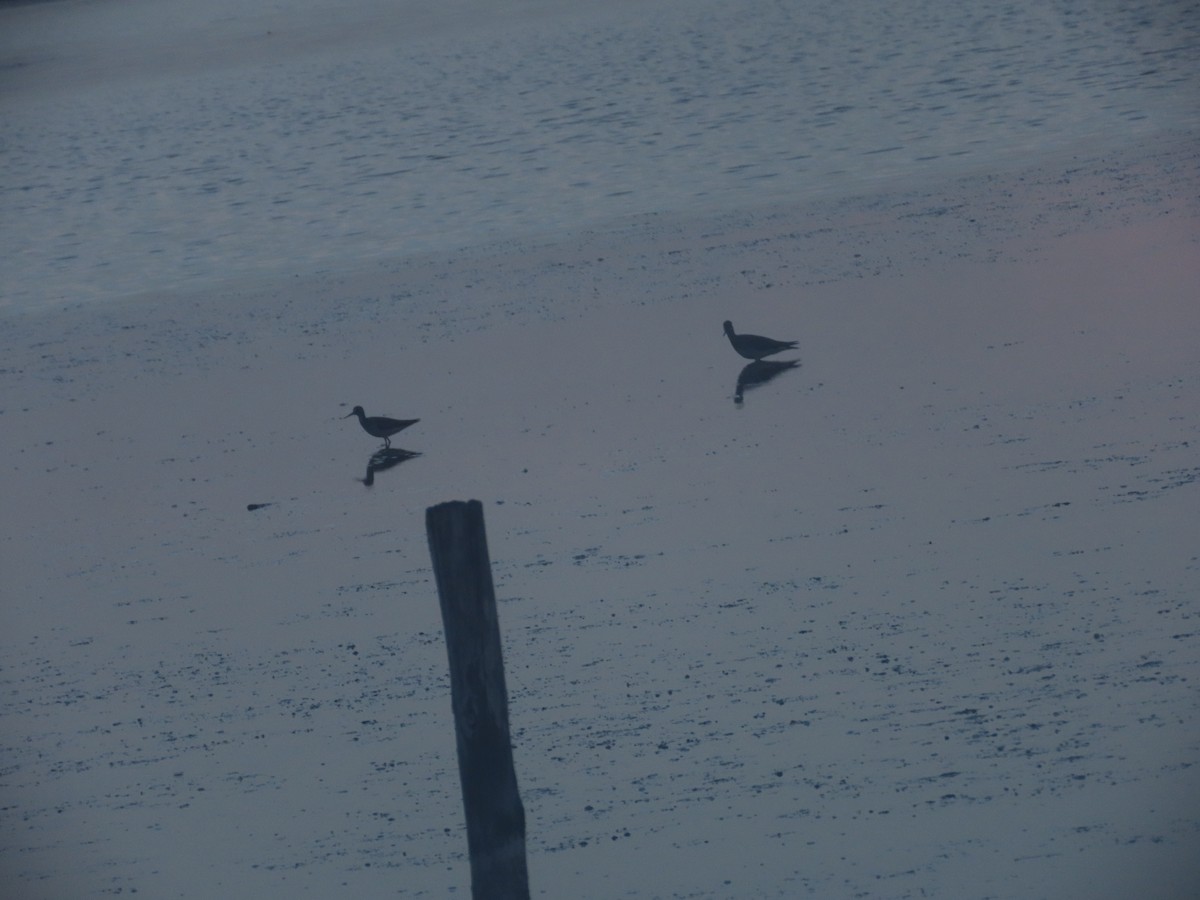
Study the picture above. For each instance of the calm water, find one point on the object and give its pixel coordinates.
(266, 163)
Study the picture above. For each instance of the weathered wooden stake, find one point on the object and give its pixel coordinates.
(495, 816)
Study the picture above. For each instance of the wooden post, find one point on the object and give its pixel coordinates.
(495, 816)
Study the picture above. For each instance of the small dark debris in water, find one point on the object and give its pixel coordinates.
(253, 506)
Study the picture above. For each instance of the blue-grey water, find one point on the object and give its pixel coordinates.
(120, 181)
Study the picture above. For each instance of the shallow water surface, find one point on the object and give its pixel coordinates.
(384, 141)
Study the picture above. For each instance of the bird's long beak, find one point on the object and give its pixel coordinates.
(347, 415)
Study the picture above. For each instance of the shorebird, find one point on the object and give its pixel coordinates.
(755, 346)
(380, 426)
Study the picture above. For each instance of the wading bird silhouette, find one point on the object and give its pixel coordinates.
(380, 426)
(755, 346)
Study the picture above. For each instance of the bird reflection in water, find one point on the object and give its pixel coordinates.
(759, 373)
(385, 458)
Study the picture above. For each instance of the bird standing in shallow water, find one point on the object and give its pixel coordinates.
(380, 426)
(755, 346)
